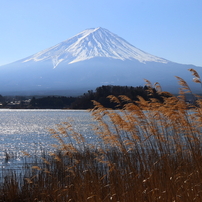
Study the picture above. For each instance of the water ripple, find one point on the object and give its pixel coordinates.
(27, 130)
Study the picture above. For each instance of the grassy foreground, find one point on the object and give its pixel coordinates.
(150, 155)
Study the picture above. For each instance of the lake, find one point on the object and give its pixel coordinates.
(28, 130)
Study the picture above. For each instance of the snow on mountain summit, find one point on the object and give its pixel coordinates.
(91, 43)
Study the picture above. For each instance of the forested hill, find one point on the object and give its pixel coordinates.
(100, 95)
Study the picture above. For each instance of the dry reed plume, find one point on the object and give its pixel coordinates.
(149, 151)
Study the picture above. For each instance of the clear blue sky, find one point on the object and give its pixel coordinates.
(171, 29)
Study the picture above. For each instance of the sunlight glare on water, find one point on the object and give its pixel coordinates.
(28, 130)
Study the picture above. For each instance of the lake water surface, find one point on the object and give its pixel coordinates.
(28, 130)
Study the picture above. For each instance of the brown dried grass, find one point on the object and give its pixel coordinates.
(149, 152)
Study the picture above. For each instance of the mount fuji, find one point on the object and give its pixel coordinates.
(92, 58)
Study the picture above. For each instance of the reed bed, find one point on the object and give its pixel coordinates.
(149, 151)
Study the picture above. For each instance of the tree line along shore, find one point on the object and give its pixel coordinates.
(84, 101)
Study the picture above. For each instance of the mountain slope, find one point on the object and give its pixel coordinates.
(92, 43)
(90, 59)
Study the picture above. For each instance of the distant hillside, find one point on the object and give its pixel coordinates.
(100, 95)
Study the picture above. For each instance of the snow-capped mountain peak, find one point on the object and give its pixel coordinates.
(91, 43)
(92, 58)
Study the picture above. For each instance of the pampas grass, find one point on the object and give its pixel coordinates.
(149, 151)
